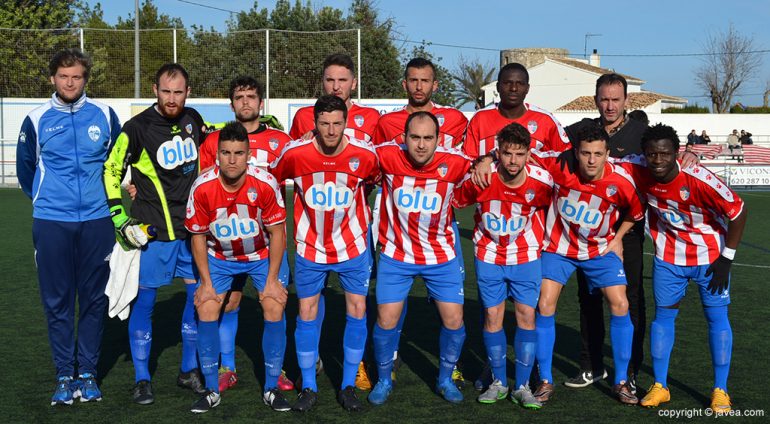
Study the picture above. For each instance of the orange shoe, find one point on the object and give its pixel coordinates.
(362, 378)
(720, 402)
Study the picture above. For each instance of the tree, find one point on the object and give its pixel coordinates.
(470, 78)
(730, 62)
(445, 95)
(380, 68)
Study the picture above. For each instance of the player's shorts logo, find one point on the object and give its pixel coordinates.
(176, 152)
(532, 127)
(94, 133)
(579, 213)
(234, 228)
(329, 196)
(529, 195)
(359, 120)
(684, 192)
(417, 200)
(273, 143)
(440, 119)
(251, 194)
(353, 164)
(502, 226)
(442, 169)
(611, 190)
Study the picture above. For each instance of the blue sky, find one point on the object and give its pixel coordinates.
(651, 27)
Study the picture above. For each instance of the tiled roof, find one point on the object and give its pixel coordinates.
(635, 101)
(590, 68)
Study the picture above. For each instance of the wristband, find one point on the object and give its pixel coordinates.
(728, 253)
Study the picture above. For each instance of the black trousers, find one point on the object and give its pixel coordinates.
(592, 308)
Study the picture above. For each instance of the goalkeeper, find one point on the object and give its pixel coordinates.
(160, 145)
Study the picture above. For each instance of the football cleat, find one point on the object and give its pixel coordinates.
(63, 393)
(448, 390)
(496, 391)
(348, 398)
(623, 393)
(655, 396)
(544, 392)
(457, 377)
(305, 400)
(632, 382)
(227, 379)
(380, 392)
(720, 402)
(276, 400)
(209, 401)
(362, 378)
(191, 380)
(143, 393)
(585, 379)
(284, 382)
(523, 396)
(87, 389)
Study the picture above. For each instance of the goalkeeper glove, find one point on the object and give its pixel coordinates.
(720, 275)
(128, 231)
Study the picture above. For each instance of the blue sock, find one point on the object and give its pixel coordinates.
(450, 344)
(720, 342)
(524, 345)
(385, 343)
(621, 338)
(140, 332)
(497, 348)
(189, 331)
(273, 349)
(319, 320)
(208, 351)
(228, 328)
(662, 342)
(306, 342)
(353, 343)
(545, 326)
(399, 327)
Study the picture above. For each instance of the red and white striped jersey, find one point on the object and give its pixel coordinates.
(451, 124)
(361, 124)
(265, 144)
(688, 216)
(415, 209)
(235, 222)
(331, 215)
(582, 217)
(547, 133)
(510, 222)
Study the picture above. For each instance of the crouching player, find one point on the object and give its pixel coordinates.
(508, 238)
(696, 222)
(582, 232)
(229, 210)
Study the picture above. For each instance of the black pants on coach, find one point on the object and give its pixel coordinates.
(592, 308)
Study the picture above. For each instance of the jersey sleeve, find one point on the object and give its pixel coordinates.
(26, 156)
(197, 219)
(123, 152)
(457, 131)
(199, 123)
(557, 137)
(115, 127)
(272, 205)
(471, 143)
(633, 202)
(279, 166)
(294, 132)
(466, 193)
(380, 135)
(208, 151)
(718, 195)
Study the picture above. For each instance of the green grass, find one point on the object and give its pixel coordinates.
(28, 372)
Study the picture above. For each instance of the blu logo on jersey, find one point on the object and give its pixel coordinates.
(417, 200)
(234, 228)
(500, 225)
(579, 213)
(177, 152)
(329, 196)
(674, 218)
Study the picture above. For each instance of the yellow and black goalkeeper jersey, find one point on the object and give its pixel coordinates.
(163, 155)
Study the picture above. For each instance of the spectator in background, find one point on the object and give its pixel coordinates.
(704, 138)
(693, 138)
(745, 138)
(639, 115)
(733, 141)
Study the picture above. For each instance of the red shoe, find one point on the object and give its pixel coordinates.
(284, 383)
(227, 379)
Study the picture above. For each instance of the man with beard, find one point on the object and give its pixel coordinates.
(161, 147)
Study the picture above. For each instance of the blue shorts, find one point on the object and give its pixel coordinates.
(394, 280)
(520, 282)
(600, 271)
(310, 277)
(669, 284)
(458, 248)
(161, 261)
(223, 272)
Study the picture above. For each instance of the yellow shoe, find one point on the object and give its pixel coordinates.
(720, 402)
(655, 396)
(457, 377)
(362, 378)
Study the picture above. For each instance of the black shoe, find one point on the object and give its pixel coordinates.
(585, 379)
(143, 393)
(349, 400)
(632, 383)
(305, 400)
(276, 400)
(209, 401)
(191, 380)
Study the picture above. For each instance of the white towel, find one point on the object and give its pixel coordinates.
(123, 284)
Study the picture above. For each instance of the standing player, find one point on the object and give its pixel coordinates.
(696, 223)
(60, 156)
(513, 86)
(580, 234)
(231, 210)
(265, 144)
(418, 240)
(339, 80)
(331, 220)
(508, 238)
(161, 147)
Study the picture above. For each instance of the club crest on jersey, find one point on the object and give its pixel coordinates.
(440, 118)
(94, 133)
(442, 169)
(529, 195)
(416, 200)
(188, 128)
(273, 143)
(353, 164)
(359, 120)
(684, 192)
(329, 196)
(22, 137)
(251, 194)
(234, 228)
(532, 127)
(611, 190)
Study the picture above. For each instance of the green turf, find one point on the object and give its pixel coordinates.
(27, 370)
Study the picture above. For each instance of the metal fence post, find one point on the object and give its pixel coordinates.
(82, 41)
(174, 32)
(267, 71)
(358, 66)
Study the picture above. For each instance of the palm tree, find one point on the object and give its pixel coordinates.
(470, 78)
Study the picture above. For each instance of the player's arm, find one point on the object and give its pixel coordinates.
(720, 268)
(482, 169)
(616, 244)
(466, 193)
(273, 287)
(26, 156)
(205, 290)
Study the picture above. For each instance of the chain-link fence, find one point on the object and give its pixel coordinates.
(287, 62)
